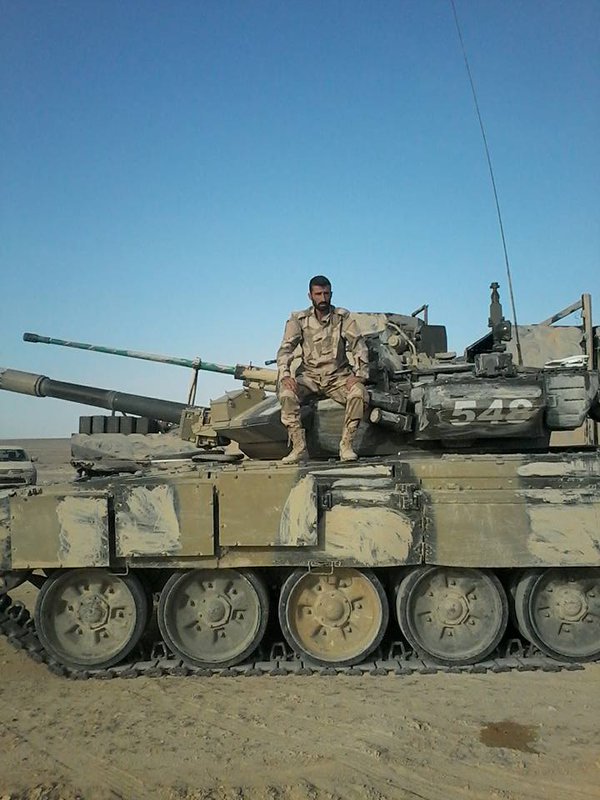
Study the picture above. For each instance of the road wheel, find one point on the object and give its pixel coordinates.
(90, 619)
(558, 610)
(334, 619)
(452, 615)
(213, 617)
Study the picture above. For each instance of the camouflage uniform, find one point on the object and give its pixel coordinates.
(325, 368)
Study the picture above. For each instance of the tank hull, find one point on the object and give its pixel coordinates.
(463, 530)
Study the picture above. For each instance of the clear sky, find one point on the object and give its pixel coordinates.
(173, 172)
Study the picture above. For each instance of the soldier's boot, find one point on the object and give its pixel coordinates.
(299, 452)
(347, 452)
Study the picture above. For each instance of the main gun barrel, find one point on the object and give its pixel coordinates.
(12, 380)
(240, 371)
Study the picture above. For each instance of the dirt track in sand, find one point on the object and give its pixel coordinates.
(366, 738)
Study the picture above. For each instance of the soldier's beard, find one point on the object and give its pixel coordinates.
(322, 306)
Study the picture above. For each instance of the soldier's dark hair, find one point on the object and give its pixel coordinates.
(318, 280)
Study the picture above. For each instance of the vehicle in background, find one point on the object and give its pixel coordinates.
(16, 467)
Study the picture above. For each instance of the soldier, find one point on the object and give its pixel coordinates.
(326, 335)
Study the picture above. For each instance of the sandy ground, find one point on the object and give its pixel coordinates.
(511, 736)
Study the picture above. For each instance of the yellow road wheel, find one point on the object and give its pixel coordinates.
(334, 619)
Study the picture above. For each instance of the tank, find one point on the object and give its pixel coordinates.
(465, 537)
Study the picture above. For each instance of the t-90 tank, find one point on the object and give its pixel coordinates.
(466, 534)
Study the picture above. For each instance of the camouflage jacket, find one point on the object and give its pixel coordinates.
(325, 345)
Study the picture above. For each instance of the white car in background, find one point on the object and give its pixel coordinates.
(16, 467)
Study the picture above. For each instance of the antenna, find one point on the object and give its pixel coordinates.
(489, 162)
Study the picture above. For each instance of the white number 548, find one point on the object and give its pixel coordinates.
(499, 411)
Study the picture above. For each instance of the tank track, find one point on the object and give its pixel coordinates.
(155, 660)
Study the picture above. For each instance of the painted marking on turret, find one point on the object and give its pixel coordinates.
(499, 411)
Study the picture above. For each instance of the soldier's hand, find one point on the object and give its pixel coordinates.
(352, 379)
(290, 384)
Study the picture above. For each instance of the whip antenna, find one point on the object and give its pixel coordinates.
(489, 162)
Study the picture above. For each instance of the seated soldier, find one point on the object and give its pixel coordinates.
(326, 335)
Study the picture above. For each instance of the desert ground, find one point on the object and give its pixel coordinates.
(510, 736)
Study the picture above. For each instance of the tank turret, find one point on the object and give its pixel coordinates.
(421, 395)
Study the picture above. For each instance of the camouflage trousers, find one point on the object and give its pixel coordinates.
(334, 386)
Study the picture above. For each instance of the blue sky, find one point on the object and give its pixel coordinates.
(172, 173)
